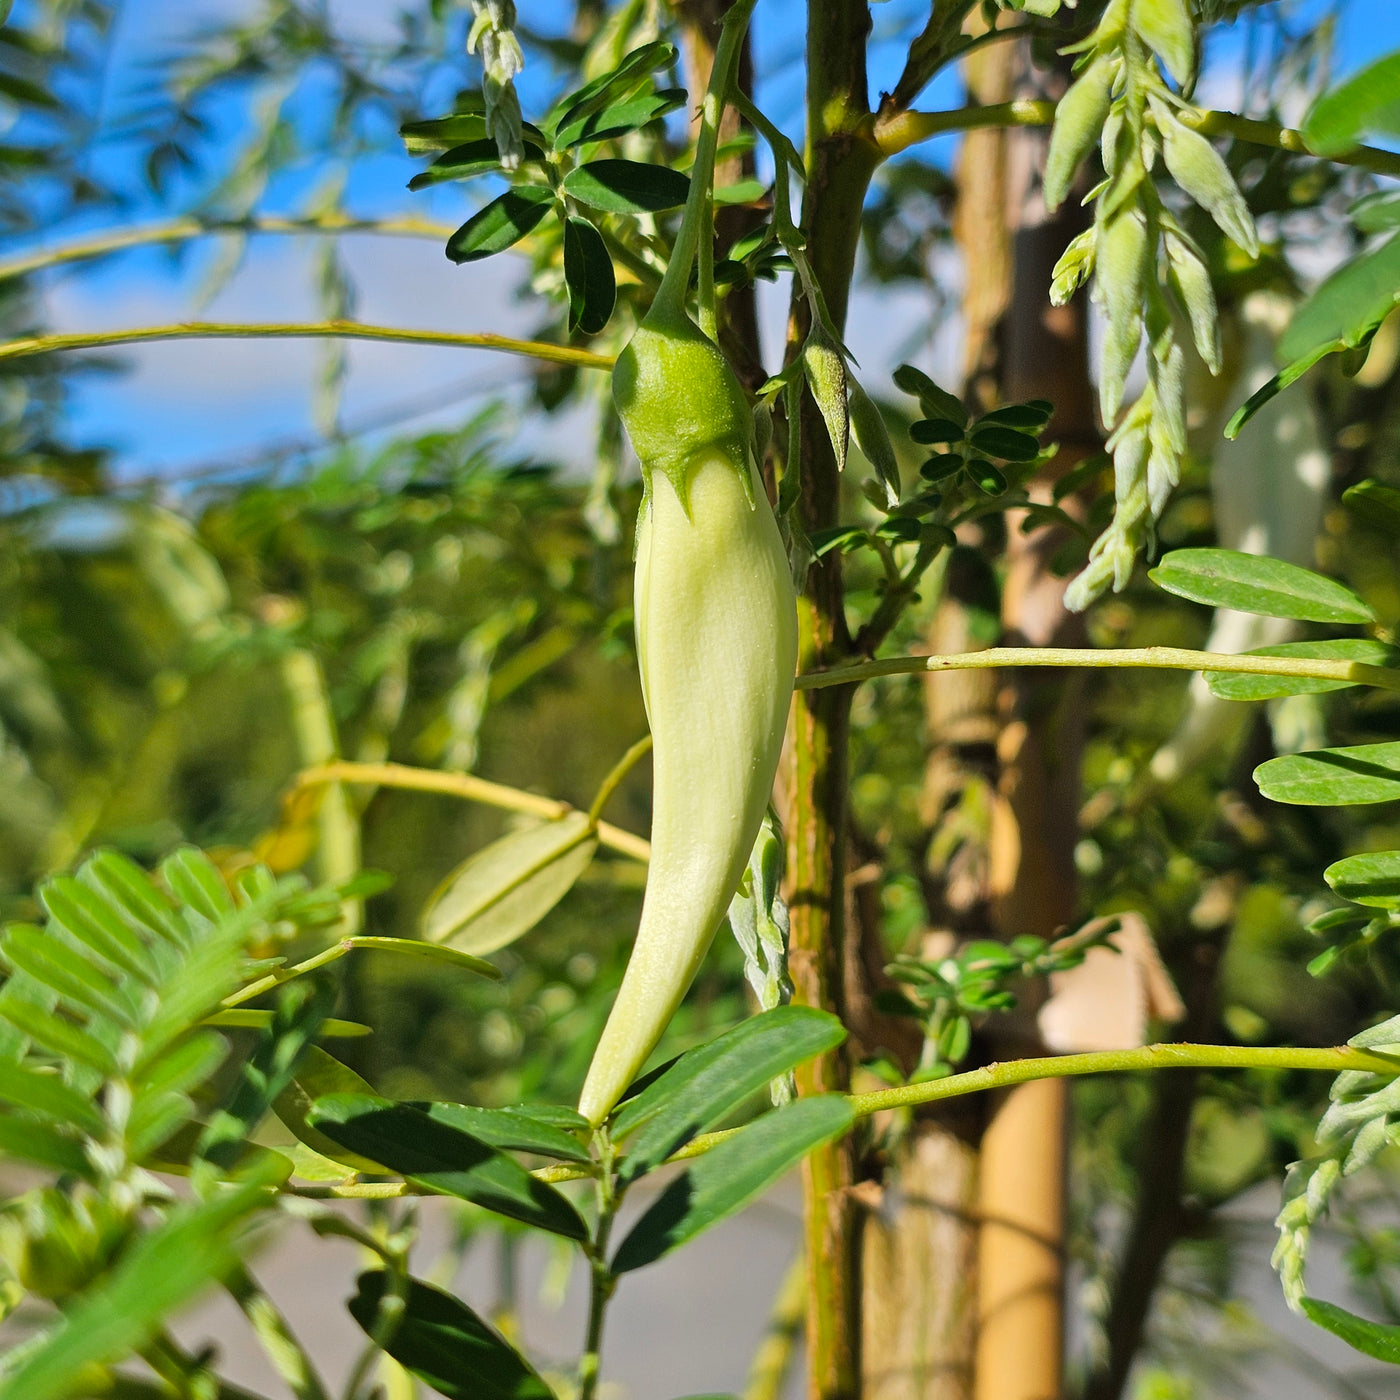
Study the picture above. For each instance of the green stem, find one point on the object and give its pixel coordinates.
(346, 330)
(471, 789)
(1152, 658)
(602, 1281)
(280, 1344)
(183, 230)
(898, 130)
(619, 771)
(671, 296)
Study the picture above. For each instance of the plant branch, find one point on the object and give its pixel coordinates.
(470, 788)
(896, 131)
(346, 330)
(1152, 658)
(619, 771)
(183, 230)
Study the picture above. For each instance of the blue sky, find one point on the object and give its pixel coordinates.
(196, 404)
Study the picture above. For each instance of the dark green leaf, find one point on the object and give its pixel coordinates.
(898, 529)
(28, 94)
(706, 1083)
(1372, 879)
(508, 1130)
(1005, 443)
(444, 1343)
(1026, 416)
(442, 133)
(502, 223)
(1237, 685)
(626, 186)
(588, 272)
(556, 1115)
(729, 1176)
(1333, 777)
(842, 537)
(608, 87)
(619, 118)
(941, 467)
(1375, 505)
(935, 402)
(466, 161)
(432, 1153)
(1380, 1340)
(988, 478)
(1226, 578)
(317, 1076)
(1348, 305)
(936, 430)
(1367, 101)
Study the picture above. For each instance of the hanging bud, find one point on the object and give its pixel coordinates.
(1198, 168)
(1189, 278)
(873, 439)
(1079, 119)
(1167, 28)
(1074, 268)
(1118, 285)
(825, 368)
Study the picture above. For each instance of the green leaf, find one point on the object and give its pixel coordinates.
(1372, 879)
(935, 402)
(1376, 1339)
(508, 1130)
(61, 1037)
(1377, 506)
(588, 273)
(933, 431)
(941, 467)
(92, 921)
(1271, 388)
(1226, 578)
(609, 87)
(619, 118)
(433, 952)
(1005, 443)
(162, 1272)
(74, 978)
(473, 158)
(506, 888)
(195, 881)
(459, 129)
(245, 1019)
(1238, 685)
(1377, 211)
(48, 1096)
(317, 1076)
(987, 477)
(1342, 777)
(842, 537)
(128, 888)
(729, 1176)
(626, 186)
(42, 1147)
(1367, 101)
(444, 1343)
(741, 192)
(1031, 417)
(706, 1083)
(502, 223)
(1348, 305)
(431, 1153)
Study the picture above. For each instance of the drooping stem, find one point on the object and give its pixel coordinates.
(619, 771)
(671, 296)
(302, 330)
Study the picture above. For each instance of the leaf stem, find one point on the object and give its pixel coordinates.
(1152, 658)
(619, 771)
(471, 789)
(898, 130)
(301, 330)
(602, 1282)
(183, 230)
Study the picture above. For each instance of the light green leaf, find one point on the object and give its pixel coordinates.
(1348, 305)
(1342, 777)
(1376, 1339)
(1372, 879)
(1237, 685)
(433, 952)
(1367, 101)
(506, 888)
(1227, 578)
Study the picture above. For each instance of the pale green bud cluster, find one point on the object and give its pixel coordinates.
(1148, 273)
(493, 32)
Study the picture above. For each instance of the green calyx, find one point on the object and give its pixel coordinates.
(680, 402)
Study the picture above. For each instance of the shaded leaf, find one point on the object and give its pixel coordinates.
(502, 223)
(473, 158)
(731, 1175)
(1348, 305)
(626, 186)
(508, 1130)
(588, 273)
(619, 118)
(444, 1343)
(1376, 505)
(706, 1083)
